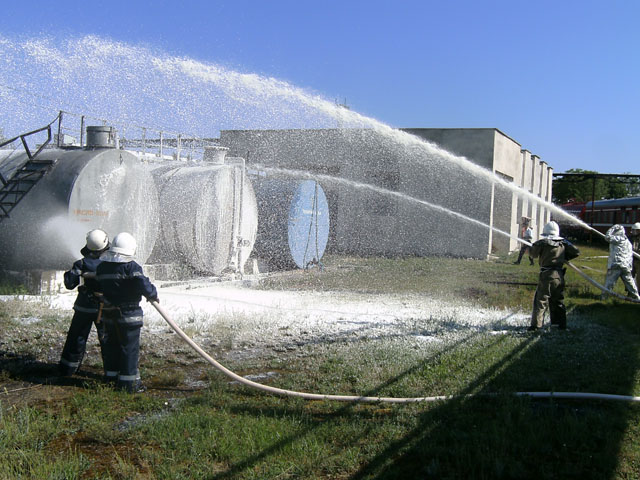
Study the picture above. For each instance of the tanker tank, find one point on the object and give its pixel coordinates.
(98, 186)
(208, 214)
(294, 221)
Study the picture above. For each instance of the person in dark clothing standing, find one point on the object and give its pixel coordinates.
(123, 284)
(552, 251)
(526, 234)
(86, 306)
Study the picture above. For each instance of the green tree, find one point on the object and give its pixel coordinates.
(577, 188)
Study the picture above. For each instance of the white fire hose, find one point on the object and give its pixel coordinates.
(591, 280)
(362, 399)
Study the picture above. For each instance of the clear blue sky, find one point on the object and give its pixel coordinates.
(559, 77)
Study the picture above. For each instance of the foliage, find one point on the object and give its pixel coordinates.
(583, 189)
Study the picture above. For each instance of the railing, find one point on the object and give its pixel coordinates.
(150, 143)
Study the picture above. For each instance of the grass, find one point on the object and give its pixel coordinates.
(228, 431)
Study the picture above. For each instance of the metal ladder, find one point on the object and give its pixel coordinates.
(14, 189)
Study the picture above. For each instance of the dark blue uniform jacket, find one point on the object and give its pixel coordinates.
(124, 285)
(85, 301)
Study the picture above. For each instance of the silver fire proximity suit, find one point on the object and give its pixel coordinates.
(620, 261)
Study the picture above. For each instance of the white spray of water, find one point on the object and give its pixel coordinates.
(382, 191)
(63, 231)
(270, 88)
(116, 175)
(136, 84)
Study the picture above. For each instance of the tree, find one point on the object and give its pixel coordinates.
(578, 188)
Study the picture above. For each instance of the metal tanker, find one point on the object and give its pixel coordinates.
(208, 214)
(294, 221)
(98, 186)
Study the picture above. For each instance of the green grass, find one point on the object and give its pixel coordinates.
(228, 431)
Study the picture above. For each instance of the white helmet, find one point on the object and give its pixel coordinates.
(97, 240)
(551, 230)
(124, 243)
(635, 226)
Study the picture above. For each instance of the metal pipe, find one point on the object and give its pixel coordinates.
(82, 131)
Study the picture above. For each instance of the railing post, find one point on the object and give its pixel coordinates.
(82, 131)
(59, 127)
(144, 140)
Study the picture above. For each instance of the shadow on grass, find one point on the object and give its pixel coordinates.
(508, 437)
(494, 434)
(236, 469)
(25, 368)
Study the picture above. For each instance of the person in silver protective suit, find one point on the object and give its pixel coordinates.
(620, 262)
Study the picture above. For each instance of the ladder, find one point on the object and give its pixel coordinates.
(14, 189)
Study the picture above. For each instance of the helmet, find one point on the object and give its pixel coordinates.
(124, 243)
(551, 230)
(635, 226)
(97, 240)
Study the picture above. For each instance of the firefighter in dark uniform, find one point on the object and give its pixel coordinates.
(553, 251)
(123, 284)
(86, 306)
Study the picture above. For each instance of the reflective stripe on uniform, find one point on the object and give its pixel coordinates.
(117, 276)
(79, 308)
(110, 373)
(68, 363)
(129, 378)
(130, 319)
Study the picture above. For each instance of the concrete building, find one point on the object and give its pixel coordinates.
(429, 201)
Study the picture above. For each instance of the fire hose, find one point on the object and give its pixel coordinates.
(369, 399)
(591, 280)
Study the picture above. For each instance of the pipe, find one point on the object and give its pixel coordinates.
(363, 399)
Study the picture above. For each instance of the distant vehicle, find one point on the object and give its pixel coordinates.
(601, 215)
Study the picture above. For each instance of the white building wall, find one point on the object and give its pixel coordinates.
(507, 164)
(525, 184)
(549, 196)
(544, 181)
(535, 190)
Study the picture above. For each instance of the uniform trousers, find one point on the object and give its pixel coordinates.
(615, 272)
(549, 295)
(76, 342)
(122, 351)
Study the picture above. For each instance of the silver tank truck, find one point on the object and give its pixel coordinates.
(98, 186)
(208, 214)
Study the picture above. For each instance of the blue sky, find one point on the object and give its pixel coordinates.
(560, 78)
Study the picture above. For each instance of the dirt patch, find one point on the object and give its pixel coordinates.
(104, 458)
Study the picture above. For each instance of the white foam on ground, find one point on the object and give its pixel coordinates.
(241, 316)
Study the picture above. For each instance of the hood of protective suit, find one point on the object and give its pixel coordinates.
(115, 257)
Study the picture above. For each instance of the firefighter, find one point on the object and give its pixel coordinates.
(123, 284)
(635, 243)
(86, 306)
(526, 233)
(552, 251)
(620, 262)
